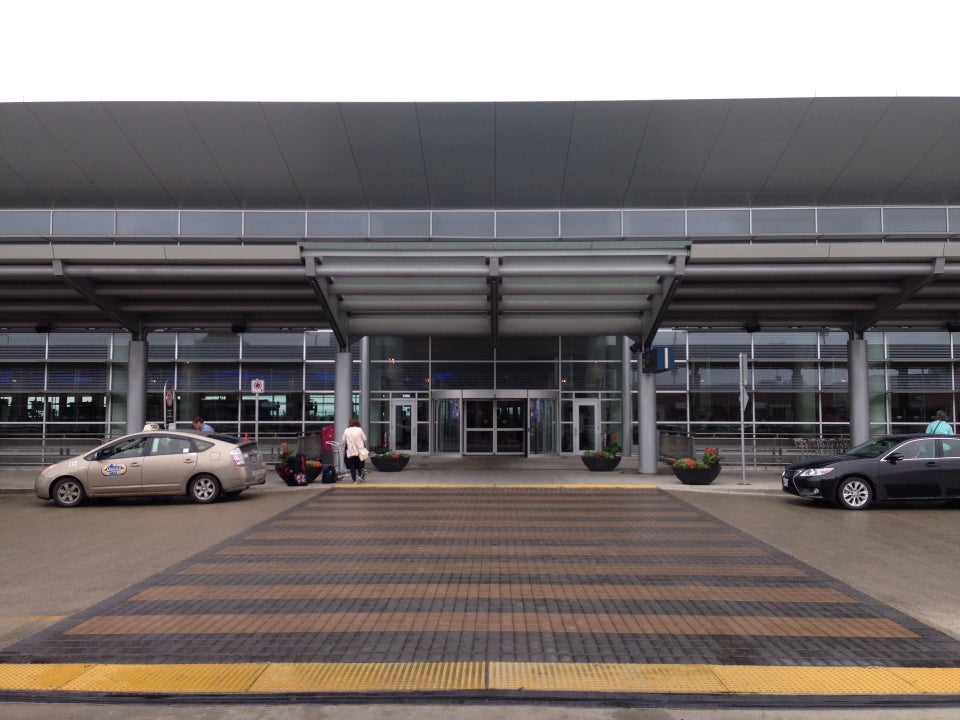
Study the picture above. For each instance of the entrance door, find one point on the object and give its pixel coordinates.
(403, 425)
(586, 436)
(543, 426)
(447, 414)
(494, 427)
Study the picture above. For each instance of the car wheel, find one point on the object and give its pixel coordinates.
(854, 494)
(204, 489)
(67, 492)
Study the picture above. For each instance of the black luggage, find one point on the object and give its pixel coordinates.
(329, 474)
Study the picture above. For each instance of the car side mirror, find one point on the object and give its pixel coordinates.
(894, 457)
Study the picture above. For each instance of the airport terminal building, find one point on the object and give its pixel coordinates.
(480, 278)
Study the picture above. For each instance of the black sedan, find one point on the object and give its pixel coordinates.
(892, 467)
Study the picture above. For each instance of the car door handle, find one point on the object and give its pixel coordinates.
(932, 463)
(188, 461)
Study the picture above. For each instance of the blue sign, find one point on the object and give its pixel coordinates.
(657, 360)
(114, 469)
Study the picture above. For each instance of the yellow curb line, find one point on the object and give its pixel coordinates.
(263, 678)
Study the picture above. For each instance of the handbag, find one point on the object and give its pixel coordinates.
(363, 454)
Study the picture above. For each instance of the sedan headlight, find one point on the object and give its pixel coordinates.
(815, 472)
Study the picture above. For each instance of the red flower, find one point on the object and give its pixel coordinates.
(690, 463)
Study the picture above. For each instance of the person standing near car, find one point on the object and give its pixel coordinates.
(354, 449)
(939, 425)
(201, 425)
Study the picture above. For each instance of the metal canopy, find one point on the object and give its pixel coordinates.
(800, 163)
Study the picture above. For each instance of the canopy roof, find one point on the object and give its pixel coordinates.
(492, 218)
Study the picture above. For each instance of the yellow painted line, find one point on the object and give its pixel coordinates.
(492, 484)
(263, 678)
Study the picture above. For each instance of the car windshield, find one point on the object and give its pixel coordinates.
(874, 448)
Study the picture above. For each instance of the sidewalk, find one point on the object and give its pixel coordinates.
(496, 471)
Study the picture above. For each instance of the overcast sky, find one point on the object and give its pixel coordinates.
(429, 50)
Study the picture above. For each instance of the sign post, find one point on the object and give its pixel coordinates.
(256, 387)
(744, 399)
(168, 399)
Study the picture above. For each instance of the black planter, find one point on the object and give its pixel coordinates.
(696, 476)
(388, 463)
(288, 470)
(600, 463)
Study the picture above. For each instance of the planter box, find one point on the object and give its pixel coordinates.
(601, 463)
(388, 463)
(288, 471)
(696, 476)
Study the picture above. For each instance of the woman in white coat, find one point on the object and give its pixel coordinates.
(354, 440)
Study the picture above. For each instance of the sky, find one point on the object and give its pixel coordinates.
(468, 50)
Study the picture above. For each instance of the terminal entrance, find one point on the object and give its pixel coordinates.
(496, 425)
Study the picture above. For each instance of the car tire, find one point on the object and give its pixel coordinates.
(854, 494)
(67, 492)
(204, 489)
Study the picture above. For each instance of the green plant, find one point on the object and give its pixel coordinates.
(710, 457)
(609, 450)
(385, 452)
(285, 453)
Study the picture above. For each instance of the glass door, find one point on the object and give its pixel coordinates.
(447, 414)
(586, 436)
(543, 426)
(511, 427)
(403, 425)
(478, 427)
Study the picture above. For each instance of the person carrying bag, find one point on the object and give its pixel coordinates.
(355, 450)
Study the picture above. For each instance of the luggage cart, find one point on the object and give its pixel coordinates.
(340, 465)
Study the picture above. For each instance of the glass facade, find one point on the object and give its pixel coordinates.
(425, 392)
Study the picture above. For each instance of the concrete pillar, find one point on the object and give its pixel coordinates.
(365, 384)
(137, 386)
(343, 393)
(859, 396)
(649, 453)
(626, 406)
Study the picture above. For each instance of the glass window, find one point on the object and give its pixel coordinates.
(785, 345)
(606, 347)
(718, 222)
(918, 409)
(590, 376)
(79, 346)
(834, 408)
(399, 376)
(201, 223)
(707, 374)
(718, 345)
(162, 346)
(773, 407)
(195, 377)
(320, 376)
(534, 348)
(83, 222)
(461, 348)
(920, 345)
(784, 376)
(272, 346)
(148, 223)
(274, 407)
(590, 223)
(842, 221)
(321, 345)
(715, 407)
(911, 376)
(654, 223)
(208, 346)
(218, 409)
(18, 223)
(319, 406)
(336, 224)
(279, 224)
(914, 220)
(399, 348)
(454, 376)
(400, 224)
(277, 378)
(534, 376)
(525, 224)
(464, 224)
(671, 407)
(77, 378)
(787, 221)
(23, 346)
